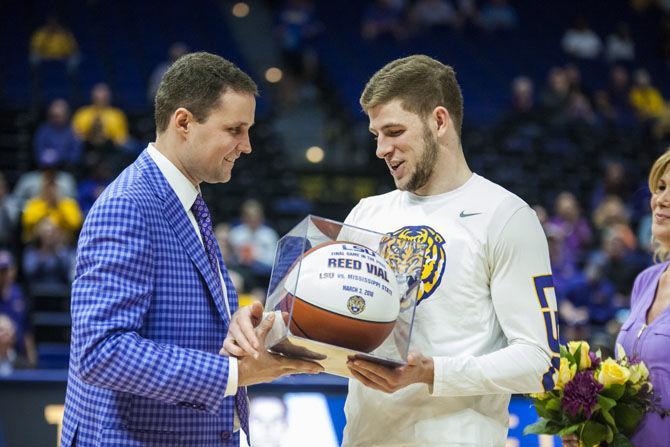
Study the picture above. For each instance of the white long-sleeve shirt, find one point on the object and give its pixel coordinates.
(486, 315)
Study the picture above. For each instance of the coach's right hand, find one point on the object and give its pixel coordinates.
(266, 367)
(242, 339)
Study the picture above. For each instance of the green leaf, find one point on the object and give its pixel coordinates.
(610, 434)
(614, 391)
(564, 350)
(621, 440)
(608, 418)
(606, 403)
(544, 413)
(542, 427)
(578, 355)
(553, 404)
(593, 433)
(627, 418)
(569, 430)
(537, 428)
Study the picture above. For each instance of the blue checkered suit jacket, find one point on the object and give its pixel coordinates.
(148, 319)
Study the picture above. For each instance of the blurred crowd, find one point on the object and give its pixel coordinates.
(586, 144)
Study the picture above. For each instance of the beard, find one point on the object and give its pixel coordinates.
(424, 165)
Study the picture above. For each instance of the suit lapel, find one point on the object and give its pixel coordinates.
(181, 225)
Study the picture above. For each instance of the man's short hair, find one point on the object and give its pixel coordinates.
(421, 83)
(195, 82)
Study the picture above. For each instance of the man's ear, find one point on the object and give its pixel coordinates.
(181, 121)
(442, 119)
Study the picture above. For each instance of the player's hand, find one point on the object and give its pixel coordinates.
(570, 441)
(241, 338)
(419, 369)
(267, 367)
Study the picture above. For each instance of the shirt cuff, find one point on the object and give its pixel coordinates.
(439, 379)
(231, 386)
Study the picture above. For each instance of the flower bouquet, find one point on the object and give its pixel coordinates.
(601, 402)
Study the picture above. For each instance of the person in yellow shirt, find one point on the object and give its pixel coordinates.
(112, 120)
(645, 98)
(54, 42)
(64, 212)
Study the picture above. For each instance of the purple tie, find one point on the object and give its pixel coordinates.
(204, 221)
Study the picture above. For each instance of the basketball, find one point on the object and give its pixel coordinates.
(344, 294)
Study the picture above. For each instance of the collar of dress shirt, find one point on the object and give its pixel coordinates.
(186, 192)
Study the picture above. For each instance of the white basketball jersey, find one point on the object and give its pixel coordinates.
(486, 313)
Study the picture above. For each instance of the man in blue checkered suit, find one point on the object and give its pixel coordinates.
(152, 299)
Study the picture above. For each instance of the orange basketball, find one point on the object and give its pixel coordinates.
(344, 294)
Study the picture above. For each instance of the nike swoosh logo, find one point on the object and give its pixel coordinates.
(464, 214)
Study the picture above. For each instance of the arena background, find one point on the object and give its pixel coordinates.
(563, 106)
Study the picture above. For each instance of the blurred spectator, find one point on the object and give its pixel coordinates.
(112, 121)
(222, 234)
(614, 182)
(644, 234)
(427, 14)
(619, 260)
(468, 12)
(57, 134)
(645, 98)
(48, 261)
(254, 244)
(297, 28)
(620, 45)
(618, 93)
(579, 110)
(554, 98)
(99, 149)
(64, 212)
(383, 18)
(604, 108)
(53, 42)
(498, 15)
(9, 215)
(574, 229)
(523, 100)
(177, 50)
(13, 305)
(574, 76)
(91, 186)
(542, 214)
(30, 183)
(8, 355)
(611, 211)
(580, 41)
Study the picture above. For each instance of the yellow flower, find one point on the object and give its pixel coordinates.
(612, 373)
(565, 373)
(584, 359)
(540, 396)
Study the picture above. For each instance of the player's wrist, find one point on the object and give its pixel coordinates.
(428, 375)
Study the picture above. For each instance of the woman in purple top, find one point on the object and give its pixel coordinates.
(645, 335)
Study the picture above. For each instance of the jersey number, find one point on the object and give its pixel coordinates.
(542, 283)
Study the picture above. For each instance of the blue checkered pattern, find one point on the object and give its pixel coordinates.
(148, 320)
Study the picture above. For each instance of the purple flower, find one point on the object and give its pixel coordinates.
(581, 393)
(595, 361)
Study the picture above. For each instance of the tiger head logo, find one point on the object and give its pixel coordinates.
(356, 304)
(398, 248)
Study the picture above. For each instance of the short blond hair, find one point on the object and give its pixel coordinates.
(659, 167)
(421, 83)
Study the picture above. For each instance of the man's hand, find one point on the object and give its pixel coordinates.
(419, 369)
(266, 367)
(241, 339)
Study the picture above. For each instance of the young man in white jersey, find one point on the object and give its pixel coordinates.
(485, 322)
